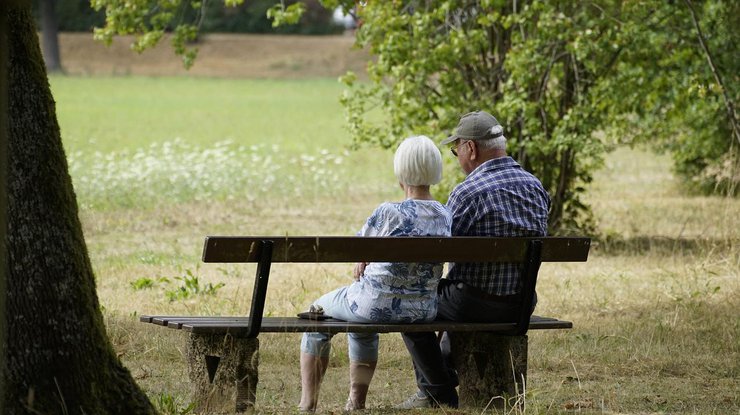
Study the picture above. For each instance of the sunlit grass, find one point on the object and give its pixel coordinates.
(636, 195)
(144, 142)
(176, 172)
(129, 113)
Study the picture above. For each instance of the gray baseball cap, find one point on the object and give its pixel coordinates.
(477, 125)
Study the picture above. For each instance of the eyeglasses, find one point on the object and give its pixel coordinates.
(454, 149)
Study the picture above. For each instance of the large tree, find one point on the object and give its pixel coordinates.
(57, 357)
(3, 189)
(569, 80)
(678, 89)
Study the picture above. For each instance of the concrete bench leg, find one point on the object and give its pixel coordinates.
(492, 369)
(223, 372)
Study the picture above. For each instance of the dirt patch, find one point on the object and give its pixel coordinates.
(220, 55)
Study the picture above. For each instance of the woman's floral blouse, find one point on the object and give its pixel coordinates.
(398, 292)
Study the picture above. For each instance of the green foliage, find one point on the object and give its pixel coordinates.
(142, 283)
(670, 96)
(252, 17)
(280, 14)
(168, 405)
(230, 16)
(191, 287)
(536, 66)
(146, 282)
(568, 80)
(149, 20)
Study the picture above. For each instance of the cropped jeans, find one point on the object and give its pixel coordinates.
(363, 347)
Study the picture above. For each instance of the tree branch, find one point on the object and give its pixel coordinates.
(542, 90)
(729, 104)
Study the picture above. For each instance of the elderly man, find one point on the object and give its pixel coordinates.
(497, 198)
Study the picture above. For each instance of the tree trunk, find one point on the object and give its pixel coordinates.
(57, 355)
(492, 369)
(223, 371)
(3, 189)
(50, 33)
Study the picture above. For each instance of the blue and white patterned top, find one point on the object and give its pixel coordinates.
(396, 292)
(498, 198)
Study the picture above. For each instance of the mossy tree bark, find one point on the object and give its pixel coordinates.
(57, 356)
(3, 189)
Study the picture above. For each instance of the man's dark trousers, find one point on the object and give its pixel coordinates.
(432, 359)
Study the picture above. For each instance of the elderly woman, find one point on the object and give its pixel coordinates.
(383, 292)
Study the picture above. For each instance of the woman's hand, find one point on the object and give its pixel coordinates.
(359, 270)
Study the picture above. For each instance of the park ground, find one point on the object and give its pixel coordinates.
(220, 55)
(251, 141)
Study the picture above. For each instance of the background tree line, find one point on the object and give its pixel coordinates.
(248, 17)
(54, 16)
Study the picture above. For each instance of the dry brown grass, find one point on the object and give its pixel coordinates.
(220, 55)
(653, 333)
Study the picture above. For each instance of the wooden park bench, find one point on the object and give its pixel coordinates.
(491, 358)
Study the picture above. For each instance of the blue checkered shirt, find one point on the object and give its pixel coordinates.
(499, 198)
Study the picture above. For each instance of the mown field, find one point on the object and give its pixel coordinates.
(159, 163)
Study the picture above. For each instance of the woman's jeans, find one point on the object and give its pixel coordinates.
(363, 347)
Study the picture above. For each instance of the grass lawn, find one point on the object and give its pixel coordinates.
(148, 141)
(655, 308)
(114, 113)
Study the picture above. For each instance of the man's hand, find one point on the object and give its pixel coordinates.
(359, 270)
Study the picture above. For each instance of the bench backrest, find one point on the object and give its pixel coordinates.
(265, 250)
(233, 249)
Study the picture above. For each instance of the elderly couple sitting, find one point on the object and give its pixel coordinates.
(497, 198)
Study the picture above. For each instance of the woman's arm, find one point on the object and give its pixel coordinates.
(375, 225)
(359, 270)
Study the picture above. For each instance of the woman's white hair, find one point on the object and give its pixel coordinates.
(418, 162)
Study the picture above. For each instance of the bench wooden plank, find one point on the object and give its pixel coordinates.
(240, 249)
(237, 326)
(295, 325)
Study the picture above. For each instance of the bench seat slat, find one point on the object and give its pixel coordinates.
(237, 326)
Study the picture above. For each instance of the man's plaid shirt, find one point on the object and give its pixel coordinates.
(499, 198)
